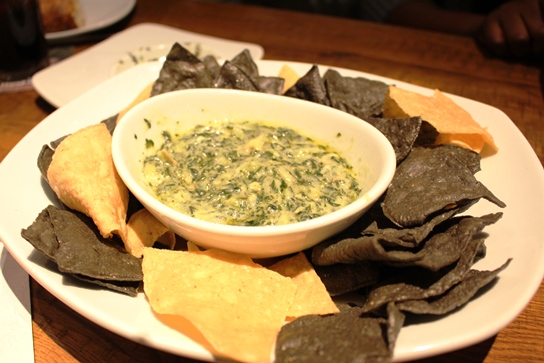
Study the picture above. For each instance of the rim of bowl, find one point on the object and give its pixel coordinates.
(366, 199)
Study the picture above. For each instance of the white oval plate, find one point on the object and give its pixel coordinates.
(63, 82)
(158, 52)
(514, 174)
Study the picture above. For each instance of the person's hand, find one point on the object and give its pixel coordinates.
(515, 29)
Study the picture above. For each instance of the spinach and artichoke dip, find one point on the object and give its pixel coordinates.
(249, 174)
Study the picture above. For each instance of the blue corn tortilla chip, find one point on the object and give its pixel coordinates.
(212, 65)
(184, 70)
(181, 70)
(440, 249)
(44, 159)
(272, 85)
(310, 87)
(130, 288)
(71, 240)
(244, 62)
(444, 248)
(444, 175)
(389, 245)
(267, 84)
(349, 336)
(456, 297)
(407, 237)
(358, 96)
(353, 250)
(402, 133)
(418, 284)
(342, 278)
(232, 77)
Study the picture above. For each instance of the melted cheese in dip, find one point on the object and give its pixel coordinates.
(249, 174)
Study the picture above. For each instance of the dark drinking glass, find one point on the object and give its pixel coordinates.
(23, 48)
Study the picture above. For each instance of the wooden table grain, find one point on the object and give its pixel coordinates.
(450, 63)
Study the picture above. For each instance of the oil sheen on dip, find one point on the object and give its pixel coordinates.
(249, 174)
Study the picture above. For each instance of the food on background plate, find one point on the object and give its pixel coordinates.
(60, 15)
(394, 262)
(158, 52)
(265, 174)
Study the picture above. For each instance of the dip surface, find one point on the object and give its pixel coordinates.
(249, 174)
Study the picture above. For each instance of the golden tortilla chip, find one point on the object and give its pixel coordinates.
(83, 176)
(289, 75)
(453, 123)
(238, 306)
(192, 247)
(311, 297)
(142, 96)
(143, 230)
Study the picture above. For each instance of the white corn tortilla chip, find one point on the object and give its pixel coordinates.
(83, 176)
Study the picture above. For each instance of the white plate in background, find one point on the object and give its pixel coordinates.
(62, 82)
(97, 14)
(514, 175)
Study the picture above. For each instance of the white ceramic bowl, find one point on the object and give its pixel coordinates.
(365, 148)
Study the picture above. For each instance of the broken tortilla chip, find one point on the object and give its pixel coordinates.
(192, 247)
(453, 123)
(143, 230)
(84, 178)
(238, 306)
(142, 96)
(289, 75)
(311, 297)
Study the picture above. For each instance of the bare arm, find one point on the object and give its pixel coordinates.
(514, 29)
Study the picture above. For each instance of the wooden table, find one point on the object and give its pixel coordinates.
(449, 63)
